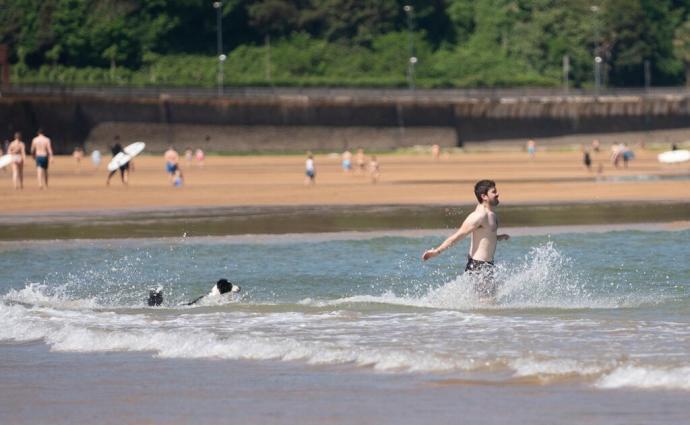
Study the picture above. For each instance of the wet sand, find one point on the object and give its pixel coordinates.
(138, 389)
(406, 179)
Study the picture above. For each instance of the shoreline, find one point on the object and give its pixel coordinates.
(356, 235)
(281, 219)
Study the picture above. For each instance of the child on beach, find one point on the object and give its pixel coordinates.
(199, 154)
(78, 155)
(310, 170)
(374, 170)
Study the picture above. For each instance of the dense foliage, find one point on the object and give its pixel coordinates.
(457, 43)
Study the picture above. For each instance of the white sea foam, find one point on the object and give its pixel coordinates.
(554, 367)
(646, 378)
(103, 332)
(35, 294)
(443, 341)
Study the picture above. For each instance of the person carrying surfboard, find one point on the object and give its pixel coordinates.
(482, 225)
(124, 168)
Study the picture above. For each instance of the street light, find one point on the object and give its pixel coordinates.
(221, 61)
(409, 11)
(219, 42)
(410, 71)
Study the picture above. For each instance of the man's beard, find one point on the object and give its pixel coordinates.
(493, 202)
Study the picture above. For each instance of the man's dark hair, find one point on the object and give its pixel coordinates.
(482, 188)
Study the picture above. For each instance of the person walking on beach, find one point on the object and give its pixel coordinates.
(42, 151)
(18, 151)
(310, 172)
(124, 168)
(482, 225)
(586, 158)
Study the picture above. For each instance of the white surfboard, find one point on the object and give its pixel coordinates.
(6, 160)
(130, 151)
(672, 157)
(134, 149)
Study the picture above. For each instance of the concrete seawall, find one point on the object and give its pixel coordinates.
(297, 123)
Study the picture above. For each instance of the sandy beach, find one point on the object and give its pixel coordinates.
(223, 181)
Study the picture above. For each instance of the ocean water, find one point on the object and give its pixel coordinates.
(579, 317)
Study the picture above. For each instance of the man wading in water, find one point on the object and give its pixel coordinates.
(482, 224)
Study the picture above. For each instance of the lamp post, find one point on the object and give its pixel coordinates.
(409, 11)
(566, 73)
(597, 57)
(410, 71)
(597, 75)
(219, 43)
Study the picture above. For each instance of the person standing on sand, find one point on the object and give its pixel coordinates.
(435, 152)
(347, 161)
(172, 160)
(586, 158)
(482, 225)
(595, 145)
(199, 154)
(18, 151)
(361, 162)
(42, 151)
(374, 171)
(310, 170)
(78, 155)
(531, 148)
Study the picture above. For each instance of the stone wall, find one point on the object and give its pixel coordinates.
(298, 123)
(235, 138)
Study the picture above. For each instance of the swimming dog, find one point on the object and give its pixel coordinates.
(223, 286)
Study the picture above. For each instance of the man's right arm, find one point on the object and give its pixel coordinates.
(471, 223)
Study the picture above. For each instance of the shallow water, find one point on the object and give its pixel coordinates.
(595, 312)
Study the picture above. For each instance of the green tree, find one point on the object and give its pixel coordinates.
(681, 48)
(639, 30)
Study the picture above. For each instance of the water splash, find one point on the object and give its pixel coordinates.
(543, 278)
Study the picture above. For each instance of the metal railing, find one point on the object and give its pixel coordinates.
(331, 93)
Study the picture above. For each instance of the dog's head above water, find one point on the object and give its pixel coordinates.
(223, 287)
